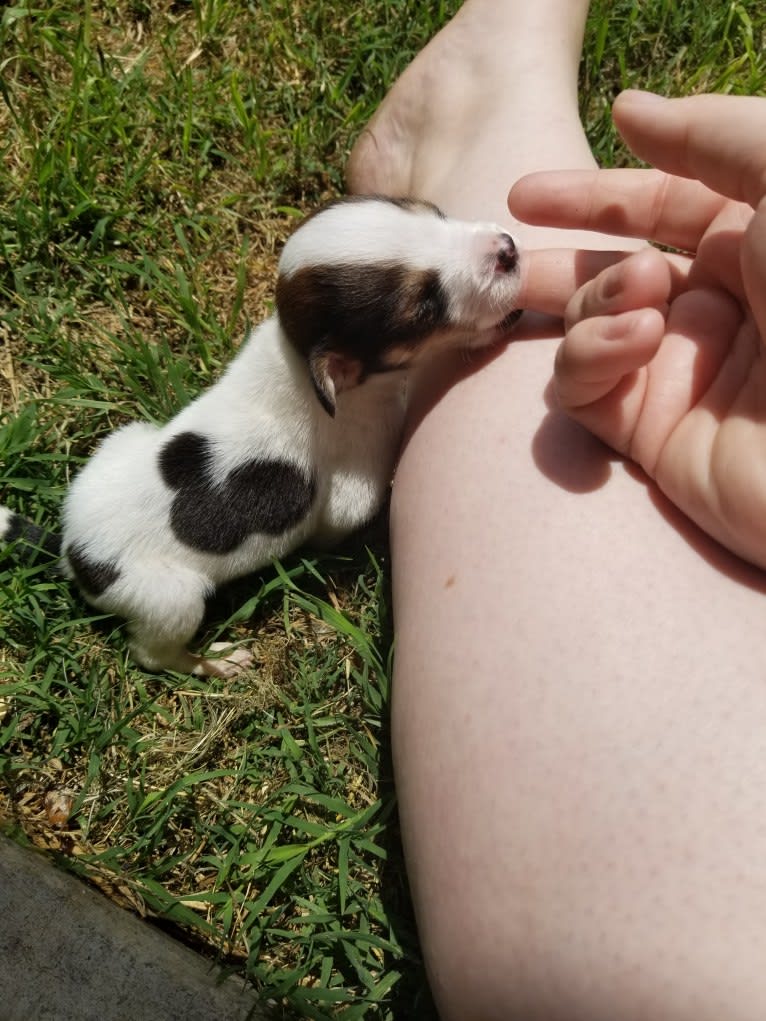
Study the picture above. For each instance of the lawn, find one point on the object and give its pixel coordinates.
(153, 157)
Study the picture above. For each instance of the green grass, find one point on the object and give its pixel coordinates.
(152, 159)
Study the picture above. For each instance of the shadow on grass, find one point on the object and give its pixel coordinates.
(409, 997)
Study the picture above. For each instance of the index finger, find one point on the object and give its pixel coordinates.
(630, 203)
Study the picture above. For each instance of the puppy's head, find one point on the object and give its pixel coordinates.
(368, 285)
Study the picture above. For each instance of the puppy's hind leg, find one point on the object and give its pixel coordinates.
(230, 661)
(167, 610)
(171, 654)
(159, 634)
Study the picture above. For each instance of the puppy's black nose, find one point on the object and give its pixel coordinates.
(507, 254)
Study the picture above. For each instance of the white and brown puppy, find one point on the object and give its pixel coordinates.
(298, 438)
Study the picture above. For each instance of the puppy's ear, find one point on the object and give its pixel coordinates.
(332, 372)
(312, 308)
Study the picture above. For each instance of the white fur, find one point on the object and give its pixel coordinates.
(118, 510)
(463, 251)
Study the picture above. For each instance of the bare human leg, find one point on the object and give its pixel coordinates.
(580, 704)
(450, 109)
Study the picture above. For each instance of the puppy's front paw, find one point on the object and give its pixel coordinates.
(233, 662)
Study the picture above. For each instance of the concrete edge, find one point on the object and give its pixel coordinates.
(69, 954)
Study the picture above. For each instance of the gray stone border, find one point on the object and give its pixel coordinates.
(69, 954)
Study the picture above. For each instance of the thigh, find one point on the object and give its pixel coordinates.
(579, 722)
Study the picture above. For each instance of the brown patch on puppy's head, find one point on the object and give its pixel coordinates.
(352, 320)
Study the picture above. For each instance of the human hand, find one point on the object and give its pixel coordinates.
(664, 355)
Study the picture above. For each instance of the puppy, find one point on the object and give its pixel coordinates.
(299, 437)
